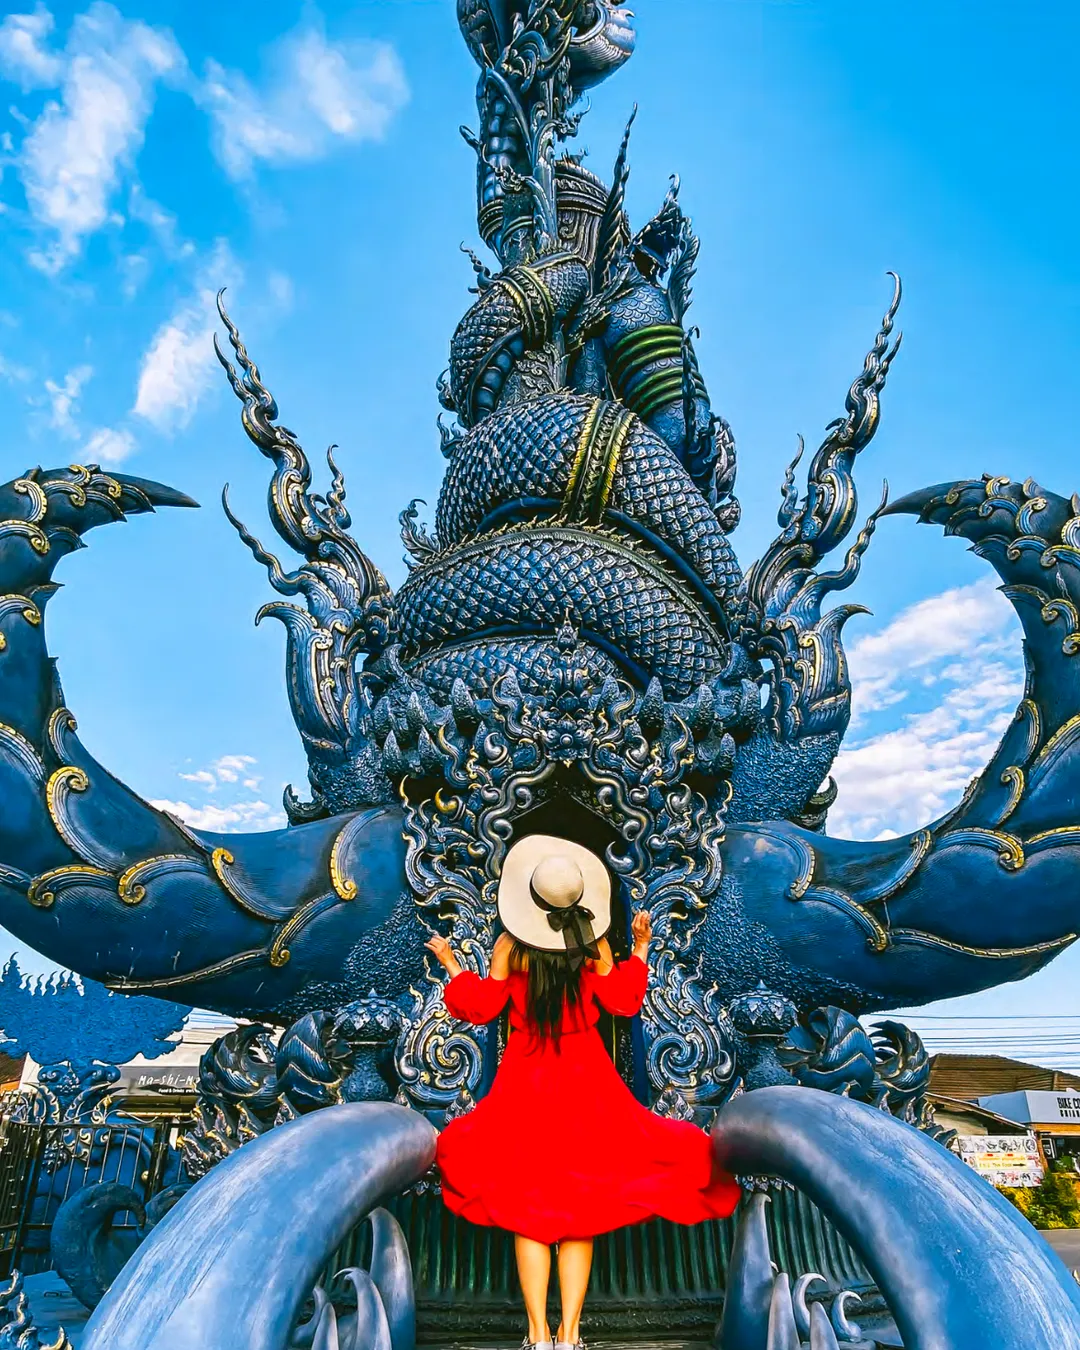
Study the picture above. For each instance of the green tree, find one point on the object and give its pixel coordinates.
(1054, 1203)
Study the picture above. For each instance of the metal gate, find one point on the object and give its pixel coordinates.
(18, 1154)
(41, 1165)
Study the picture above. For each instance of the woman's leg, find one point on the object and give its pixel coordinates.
(534, 1272)
(575, 1262)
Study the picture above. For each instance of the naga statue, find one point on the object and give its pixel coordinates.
(577, 651)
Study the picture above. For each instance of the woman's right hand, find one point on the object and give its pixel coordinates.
(641, 930)
(444, 954)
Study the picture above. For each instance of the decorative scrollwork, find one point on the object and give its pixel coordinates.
(280, 954)
(236, 888)
(131, 886)
(15, 746)
(688, 1044)
(64, 785)
(247, 1084)
(17, 1326)
(347, 601)
(438, 1058)
(21, 605)
(26, 529)
(418, 543)
(42, 890)
(887, 1067)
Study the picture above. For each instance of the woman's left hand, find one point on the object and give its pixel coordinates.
(444, 954)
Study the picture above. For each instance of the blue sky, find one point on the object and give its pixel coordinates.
(311, 162)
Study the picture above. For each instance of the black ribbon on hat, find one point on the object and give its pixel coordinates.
(574, 922)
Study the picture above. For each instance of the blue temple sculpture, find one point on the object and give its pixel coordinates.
(576, 646)
(577, 650)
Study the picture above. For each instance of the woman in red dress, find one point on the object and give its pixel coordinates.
(559, 1149)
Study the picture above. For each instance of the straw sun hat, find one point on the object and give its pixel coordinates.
(555, 896)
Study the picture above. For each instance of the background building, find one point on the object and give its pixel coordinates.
(992, 1095)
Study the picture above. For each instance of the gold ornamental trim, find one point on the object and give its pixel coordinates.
(280, 955)
(129, 887)
(344, 886)
(985, 953)
(40, 892)
(65, 780)
(218, 968)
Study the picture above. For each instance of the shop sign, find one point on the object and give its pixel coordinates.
(1003, 1159)
(171, 1081)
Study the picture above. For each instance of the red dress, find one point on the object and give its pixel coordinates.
(560, 1147)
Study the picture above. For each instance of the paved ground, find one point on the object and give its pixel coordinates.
(1066, 1242)
(53, 1306)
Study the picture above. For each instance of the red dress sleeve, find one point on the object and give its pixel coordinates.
(472, 999)
(622, 990)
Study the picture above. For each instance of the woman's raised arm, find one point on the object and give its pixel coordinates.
(500, 957)
(466, 995)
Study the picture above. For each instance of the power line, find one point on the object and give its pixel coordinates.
(1003, 1040)
(986, 1017)
(1046, 1040)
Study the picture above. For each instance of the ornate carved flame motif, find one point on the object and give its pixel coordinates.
(576, 644)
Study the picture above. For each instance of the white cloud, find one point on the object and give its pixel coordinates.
(227, 773)
(24, 57)
(161, 222)
(75, 154)
(64, 400)
(81, 149)
(11, 370)
(134, 270)
(967, 621)
(242, 816)
(907, 776)
(227, 769)
(230, 768)
(317, 91)
(179, 364)
(108, 445)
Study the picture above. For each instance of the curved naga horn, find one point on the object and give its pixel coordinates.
(347, 603)
(957, 1263)
(231, 1266)
(87, 1250)
(809, 689)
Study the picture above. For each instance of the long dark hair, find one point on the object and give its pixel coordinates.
(553, 984)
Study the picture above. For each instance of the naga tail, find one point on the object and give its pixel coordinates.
(98, 880)
(987, 893)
